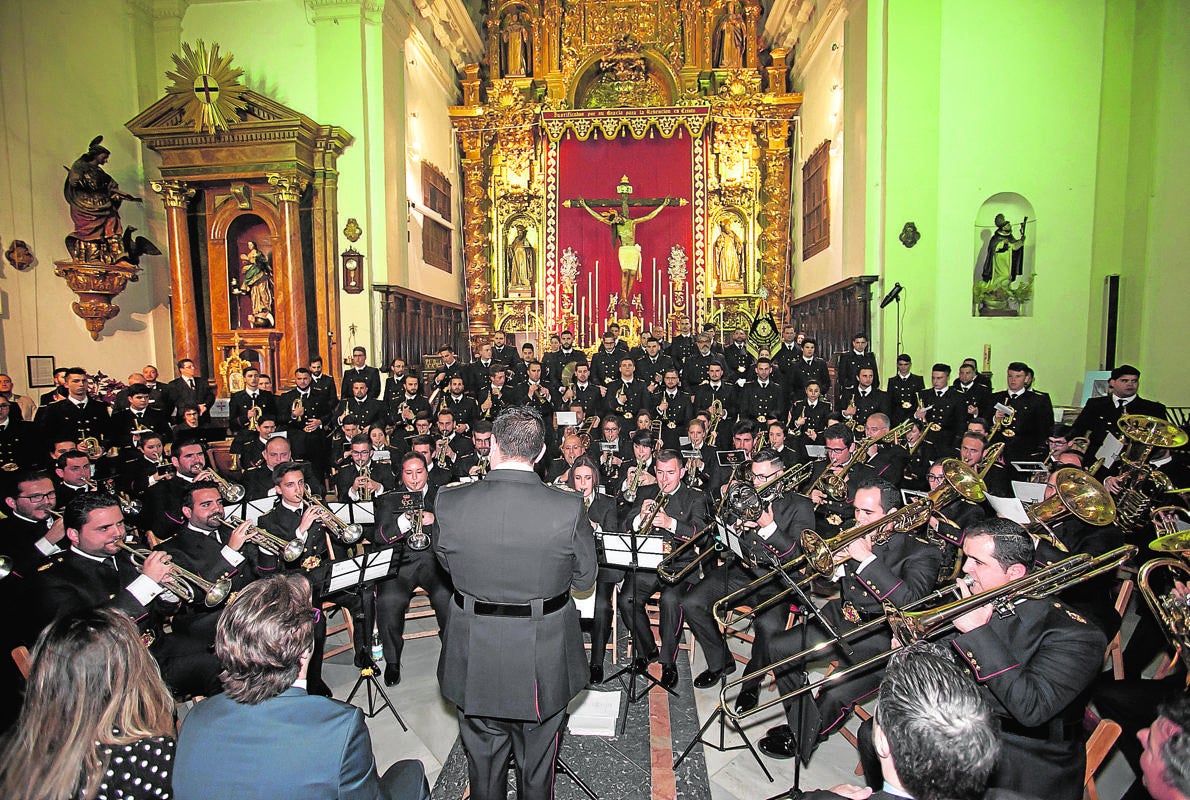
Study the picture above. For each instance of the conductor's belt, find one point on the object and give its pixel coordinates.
(484, 609)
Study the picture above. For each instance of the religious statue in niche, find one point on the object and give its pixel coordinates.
(1001, 287)
(95, 198)
(728, 257)
(522, 263)
(624, 236)
(730, 52)
(516, 47)
(256, 283)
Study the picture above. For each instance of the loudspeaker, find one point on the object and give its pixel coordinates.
(1111, 319)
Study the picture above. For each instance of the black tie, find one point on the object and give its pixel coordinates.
(939, 391)
(190, 383)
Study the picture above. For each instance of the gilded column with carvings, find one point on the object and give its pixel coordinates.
(288, 263)
(176, 196)
(774, 194)
(476, 233)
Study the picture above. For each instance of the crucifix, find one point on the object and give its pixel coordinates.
(624, 229)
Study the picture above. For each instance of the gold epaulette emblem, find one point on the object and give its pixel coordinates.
(311, 562)
(850, 612)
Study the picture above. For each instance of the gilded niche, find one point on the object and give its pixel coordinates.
(623, 79)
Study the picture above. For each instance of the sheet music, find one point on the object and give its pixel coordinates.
(345, 574)
(361, 512)
(1008, 508)
(1028, 492)
(1110, 450)
(728, 535)
(617, 550)
(255, 509)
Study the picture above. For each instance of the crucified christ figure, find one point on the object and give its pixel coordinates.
(624, 234)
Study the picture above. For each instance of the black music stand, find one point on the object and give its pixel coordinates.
(359, 574)
(634, 549)
(733, 542)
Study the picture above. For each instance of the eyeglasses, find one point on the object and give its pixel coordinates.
(837, 449)
(934, 478)
(37, 498)
(768, 477)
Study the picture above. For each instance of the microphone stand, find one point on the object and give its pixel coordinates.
(795, 792)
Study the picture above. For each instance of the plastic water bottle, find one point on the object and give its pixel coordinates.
(377, 650)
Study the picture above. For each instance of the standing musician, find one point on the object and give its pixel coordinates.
(685, 512)
(625, 396)
(810, 368)
(366, 409)
(849, 363)
(671, 405)
(651, 363)
(809, 416)
(899, 570)
(739, 361)
(763, 399)
(404, 408)
(978, 394)
(1034, 666)
(250, 403)
(361, 370)
(464, 408)
(306, 412)
(496, 395)
(513, 618)
(777, 531)
(351, 482)
(903, 389)
(1100, 415)
(78, 415)
(943, 406)
(139, 415)
(584, 392)
(601, 511)
(477, 372)
(413, 563)
(864, 399)
(702, 470)
(293, 518)
(682, 345)
(1032, 420)
(696, 368)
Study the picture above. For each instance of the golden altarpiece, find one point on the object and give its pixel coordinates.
(249, 188)
(624, 161)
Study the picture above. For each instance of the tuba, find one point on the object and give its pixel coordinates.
(1142, 481)
(1079, 495)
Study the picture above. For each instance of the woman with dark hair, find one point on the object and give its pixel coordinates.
(97, 722)
(601, 510)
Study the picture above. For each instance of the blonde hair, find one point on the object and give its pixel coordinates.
(93, 684)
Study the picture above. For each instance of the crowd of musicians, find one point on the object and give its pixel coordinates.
(123, 506)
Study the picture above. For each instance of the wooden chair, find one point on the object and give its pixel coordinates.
(1099, 744)
(20, 655)
(1115, 650)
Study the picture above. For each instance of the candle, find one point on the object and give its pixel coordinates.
(583, 322)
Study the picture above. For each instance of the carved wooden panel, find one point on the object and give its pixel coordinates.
(835, 314)
(415, 325)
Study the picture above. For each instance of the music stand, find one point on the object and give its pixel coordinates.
(360, 574)
(728, 535)
(635, 552)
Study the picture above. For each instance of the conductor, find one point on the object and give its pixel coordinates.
(512, 656)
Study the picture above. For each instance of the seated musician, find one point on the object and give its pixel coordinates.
(29, 535)
(1034, 666)
(559, 469)
(885, 458)
(601, 510)
(163, 500)
(477, 463)
(258, 481)
(901, 569)
(831, 505)
(97, 572)
(778, 442)
(250, 451)
(294, 518)
(972, 446)
(414, 562)
(72, 476)
(921, 455)
(777, 532)
(611, 459)
(642, 472)
(363, 477)
(947, 525)
(1165, 764)
(702, 471)
(684, 513)
(265, 737)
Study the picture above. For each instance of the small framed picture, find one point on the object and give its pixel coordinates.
(41, 371)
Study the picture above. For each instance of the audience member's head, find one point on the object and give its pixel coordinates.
(1165, 761)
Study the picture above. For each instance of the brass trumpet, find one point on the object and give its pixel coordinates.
(1170, 538)
(183, 582)
(345, 532)
(288, 549)
(365, 494)
(1003, 426)
(231, 492)
(909, 626)
(417, 539)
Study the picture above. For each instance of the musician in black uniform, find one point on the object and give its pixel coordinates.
(475, 374)
(464, 409)
(682, 345)
(1100, 415)
(163, 500)
(903, 389)
(21, 443)
(835, 509)
(943, 406)
(864, 399)
(921, 455)
(715, 388)
(495, 394)
(652, 364)
(584, 391)
(695, 369)
(405, 406)
(601, 511)
(808, 368)
(946, 527)
(241, 411)
(501, 352)
(78, 416)
(293, 518)
(1032, 420)
(367, 410)
(670, 406)
(885, 458)
(979, 395)
(476, 463)
(702, 470)
(319, 379)
(360, 370)
(308, 423)
(847, 367)
(250, 452)
(394, 382)
(787, 351)
(777, 532)
(258, 480)
(808, 417)
(72, 476)
(685, 513)
(350, 480)
(605, 364)
(29, 535)
(626, 396)
(139, 415)
(739, 361)
(413, 563)
(556, 362)
(95, 572)
(763, 399)
(899, 570)
(611, 459)
(541, 398)
(560, 468)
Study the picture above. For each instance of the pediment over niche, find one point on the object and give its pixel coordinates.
(264, 134)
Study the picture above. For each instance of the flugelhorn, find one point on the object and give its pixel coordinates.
(231, 492)
(183, 582)
(1169, 603)
(1077, 494)
(288, 549)
(345, 532)
(909, 626)
(417, 539)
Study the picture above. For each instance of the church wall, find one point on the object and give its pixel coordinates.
(981, 102)
(67, 74)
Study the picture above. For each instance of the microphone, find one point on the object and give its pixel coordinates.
(893, 294)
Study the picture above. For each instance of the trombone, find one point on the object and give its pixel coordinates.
(345, 532)
(820, 554)
(288, 549)
(183, 582)
(910, 626)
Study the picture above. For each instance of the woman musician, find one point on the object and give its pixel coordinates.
(601, 510)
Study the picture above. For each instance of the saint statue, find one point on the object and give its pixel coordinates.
(94, 199)
(729, 256)
(516, 47)
(731, 40)
(1005, 258)
(521, 261)
(624, 234)
(256, 281)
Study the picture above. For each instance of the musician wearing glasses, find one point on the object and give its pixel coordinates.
(885, 458)
(675, 511)
(476, 463)
(877, 567)
(833, 509)
(96, 572)
(775, 533)
(29, 534)
(412, 532)
(361, 478)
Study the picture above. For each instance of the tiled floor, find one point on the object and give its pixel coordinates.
(732, 775)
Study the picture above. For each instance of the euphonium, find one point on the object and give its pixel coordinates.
(183, 582)
(288, 549)
(345, 532)
(1142, 481)
(1170, 535)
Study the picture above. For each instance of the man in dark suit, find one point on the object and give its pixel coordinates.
(784, 354)
(625, 396)
(864, 399)
(696, 368)
(475, 375)
(139, 416)
(78, 416)
(716, 388)
(978, 394)
(307, 423)
(934, 733)
(849, 363)
(513, 656)
(359, 404)
(26, 536)
(1032, 420)
(1100, 415)
(808, 367)
(682, 345)
(763, 399)
(651, 364)
(59, 390)
(314, 748)
(739, 361)
(189, 389)
(942, 405)
(903, 390)
(360, 369)
(584, 391)
(319, 379)
(163, 500)
(21, 442)
(501, 352)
